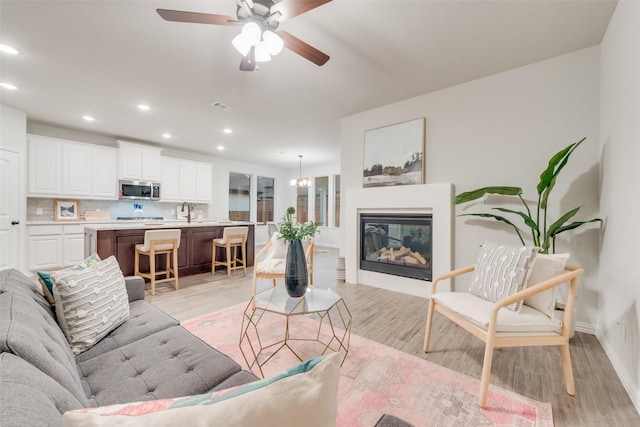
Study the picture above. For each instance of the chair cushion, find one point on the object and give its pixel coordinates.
(271, 266)
(501, 270)
(478, 310)
(545, 267)
(90, 303)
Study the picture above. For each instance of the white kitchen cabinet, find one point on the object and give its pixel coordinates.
(44, 247)
(61, 168)
(45, 160)
(140, 162)
(170, 188)
(104, 181)
(185, 181)
(188, 177)
(55, 246)
(204, 186)
(72, 244)
(76, 170)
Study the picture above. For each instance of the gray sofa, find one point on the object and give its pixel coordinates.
(148, 357)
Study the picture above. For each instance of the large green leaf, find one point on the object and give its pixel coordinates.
(556, 163)
(527, 219)
(480, 192)
(574, 225)
(553, 228)
(498, 218)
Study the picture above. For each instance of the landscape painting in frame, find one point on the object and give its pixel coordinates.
(393, 155)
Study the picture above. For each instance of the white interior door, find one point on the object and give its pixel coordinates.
(9, 208)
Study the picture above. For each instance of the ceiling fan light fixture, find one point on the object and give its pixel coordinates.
(262, 52)
(241, 44)
(252, 33)
(273, 41)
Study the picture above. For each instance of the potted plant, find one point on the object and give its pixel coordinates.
(543, 231)
(296, 273)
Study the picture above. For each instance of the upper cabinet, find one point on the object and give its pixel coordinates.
(61, 168)
(185, 181)
(45, 160)
(140, 162)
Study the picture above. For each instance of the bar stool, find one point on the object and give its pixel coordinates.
(159, 242)
(232, 237)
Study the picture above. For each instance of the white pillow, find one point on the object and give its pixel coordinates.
(501, 270)
(305, 395)
(545, 267)
(90, 303)
(278, 247)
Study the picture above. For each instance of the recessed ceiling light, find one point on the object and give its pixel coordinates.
(88, 118)
(9, 49)
(8, 86)
(220, 147)
(227, 131)
(166, 135)
(144, 107)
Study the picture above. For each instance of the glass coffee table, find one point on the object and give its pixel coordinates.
(309, 326)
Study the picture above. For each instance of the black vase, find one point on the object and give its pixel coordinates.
(296, 275)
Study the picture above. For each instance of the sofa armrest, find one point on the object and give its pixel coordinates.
(135, 287)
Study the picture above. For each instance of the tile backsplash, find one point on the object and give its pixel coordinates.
(117, 208)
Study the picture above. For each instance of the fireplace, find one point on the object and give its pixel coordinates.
(397, 244)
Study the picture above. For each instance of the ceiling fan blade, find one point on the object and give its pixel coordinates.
(303, 49)
(246, 5)
(248, 62)
(293, 8)
(196, 17)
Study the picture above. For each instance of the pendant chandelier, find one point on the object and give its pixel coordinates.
(300, 182)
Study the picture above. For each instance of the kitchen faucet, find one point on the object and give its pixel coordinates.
(188, 211)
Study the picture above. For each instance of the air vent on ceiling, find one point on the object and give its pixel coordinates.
(221, 106)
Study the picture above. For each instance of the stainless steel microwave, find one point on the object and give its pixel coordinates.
(139, 190)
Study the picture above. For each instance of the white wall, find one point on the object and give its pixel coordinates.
(501, 130)
(619, 322)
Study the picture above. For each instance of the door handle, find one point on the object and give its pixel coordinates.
(15, 222)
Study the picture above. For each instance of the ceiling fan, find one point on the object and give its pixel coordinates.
(260, 19)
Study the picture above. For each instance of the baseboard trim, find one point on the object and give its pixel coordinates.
(623, 375)
(587, 328)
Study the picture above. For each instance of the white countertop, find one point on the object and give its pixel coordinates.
(147, 225)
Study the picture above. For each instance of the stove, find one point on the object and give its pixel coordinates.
(139, 218)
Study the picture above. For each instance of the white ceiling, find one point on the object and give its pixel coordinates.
(105, 57)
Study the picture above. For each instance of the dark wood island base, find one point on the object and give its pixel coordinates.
(194, 254)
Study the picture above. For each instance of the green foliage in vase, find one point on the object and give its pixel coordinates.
(543, 232)
(290, 231)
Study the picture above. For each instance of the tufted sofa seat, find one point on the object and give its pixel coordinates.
(148, 357)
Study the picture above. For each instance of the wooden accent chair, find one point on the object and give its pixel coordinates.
(497, 326)
(158, 242)
(273, 265)
(233, 238)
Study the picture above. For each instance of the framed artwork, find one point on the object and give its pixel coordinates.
(66, 210)
(393, 155)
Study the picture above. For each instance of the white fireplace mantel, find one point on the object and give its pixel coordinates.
(436, 199)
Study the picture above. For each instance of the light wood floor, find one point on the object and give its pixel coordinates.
(398, 320)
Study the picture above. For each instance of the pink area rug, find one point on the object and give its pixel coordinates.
(376, 379)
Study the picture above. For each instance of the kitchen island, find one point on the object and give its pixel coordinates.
(194, 254)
